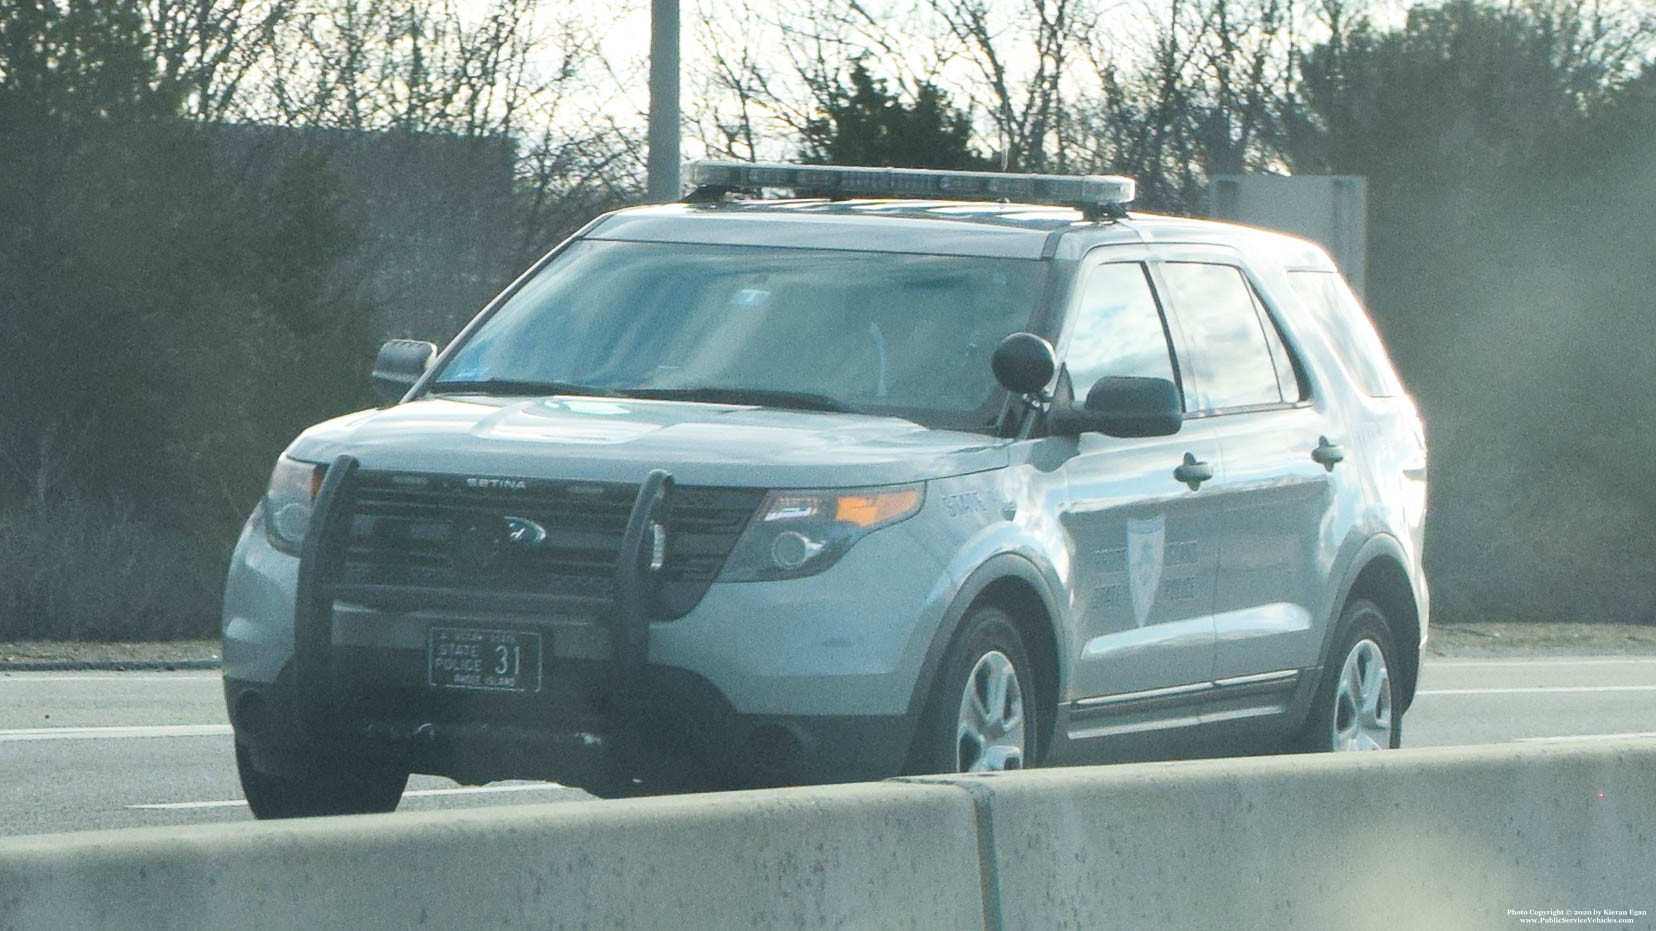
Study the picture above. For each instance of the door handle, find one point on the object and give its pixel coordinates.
(1327, 454)
(1193, 473)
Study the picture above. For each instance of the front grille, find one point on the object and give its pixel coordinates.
(406, 535)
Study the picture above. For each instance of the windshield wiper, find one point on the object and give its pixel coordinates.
(794, 400)
(519, 386)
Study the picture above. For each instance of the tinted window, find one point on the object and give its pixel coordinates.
(1118, 329)
(1349, 330)
(1229, 352)
(899, 333)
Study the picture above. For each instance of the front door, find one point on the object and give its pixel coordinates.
(1143, 538)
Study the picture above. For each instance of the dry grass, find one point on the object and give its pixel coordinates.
(1546, 636)
(82, 570)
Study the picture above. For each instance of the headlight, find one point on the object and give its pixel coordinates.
(287, 503)
(800, 533)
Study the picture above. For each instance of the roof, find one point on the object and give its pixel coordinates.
(970, 228)
(919, 226)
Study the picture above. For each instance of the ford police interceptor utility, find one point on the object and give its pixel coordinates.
(909, 472)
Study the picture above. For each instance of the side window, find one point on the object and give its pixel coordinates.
(1229, 351)
(1349, 329)
(1288, 379)
(1118, 330)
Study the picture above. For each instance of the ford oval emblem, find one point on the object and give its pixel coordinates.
(522, 531)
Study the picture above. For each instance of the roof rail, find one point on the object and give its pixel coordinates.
(1096, 196)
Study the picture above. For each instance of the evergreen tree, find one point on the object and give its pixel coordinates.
(866, 124)
(77, 60)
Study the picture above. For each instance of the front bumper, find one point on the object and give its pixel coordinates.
(677, 733)
(760, 684)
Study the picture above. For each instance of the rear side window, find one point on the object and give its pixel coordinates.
(1288, 376)
(1230, 352)
(1349, 330)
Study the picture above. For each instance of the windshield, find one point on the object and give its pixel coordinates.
(909, 335)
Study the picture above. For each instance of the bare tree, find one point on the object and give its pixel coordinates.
(205, 49)
(1021, 59)
(766, 71)
(1203, 97)
(416, 65)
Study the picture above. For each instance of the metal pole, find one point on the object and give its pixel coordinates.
(663, 160)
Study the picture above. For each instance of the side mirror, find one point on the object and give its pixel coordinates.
(1024, 363)
(398, 366)
(1126, 407)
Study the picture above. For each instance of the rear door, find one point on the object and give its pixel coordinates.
(1281, 454)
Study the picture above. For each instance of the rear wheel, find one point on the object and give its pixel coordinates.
(1356, 706)
(329, 786)
(981, 716)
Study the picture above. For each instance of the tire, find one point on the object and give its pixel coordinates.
(982, 714)
(331, 787)
(1356, 706)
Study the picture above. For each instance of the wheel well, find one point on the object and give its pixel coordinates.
(1384, 582)
(1029, 613)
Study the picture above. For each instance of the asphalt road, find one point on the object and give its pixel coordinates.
(84, 751)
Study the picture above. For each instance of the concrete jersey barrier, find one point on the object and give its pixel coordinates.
(1451, 838)
(1461, 838)
(857, 856)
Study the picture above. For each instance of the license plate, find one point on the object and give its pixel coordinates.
(490, 660)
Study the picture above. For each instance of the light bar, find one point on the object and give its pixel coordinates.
(1082, 191)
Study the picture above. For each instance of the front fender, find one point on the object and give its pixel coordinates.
(1006, 557)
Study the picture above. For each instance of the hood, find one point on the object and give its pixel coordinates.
(615, 439)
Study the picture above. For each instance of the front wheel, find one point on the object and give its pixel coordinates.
(1356, 706)
(982, 714)
(326, 787)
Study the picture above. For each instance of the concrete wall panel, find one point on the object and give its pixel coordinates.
(865, 856)
(1449, 838)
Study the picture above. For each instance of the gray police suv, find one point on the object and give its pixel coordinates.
(911, 472)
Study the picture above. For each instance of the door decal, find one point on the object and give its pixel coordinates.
(1146, 546)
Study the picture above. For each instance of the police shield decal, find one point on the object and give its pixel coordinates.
(1146, 546)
